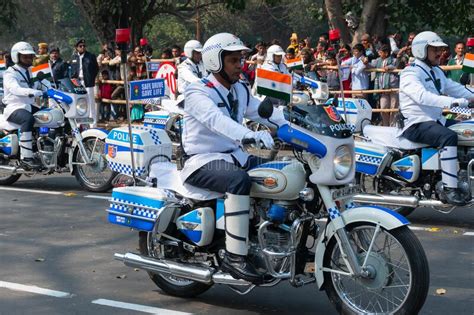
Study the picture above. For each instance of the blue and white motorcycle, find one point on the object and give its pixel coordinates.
(58, 143)
(365, 258)
(404, 175)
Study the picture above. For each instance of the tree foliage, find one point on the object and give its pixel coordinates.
(455, 18)
(9, 11)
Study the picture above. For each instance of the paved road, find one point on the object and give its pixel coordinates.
(62, 242)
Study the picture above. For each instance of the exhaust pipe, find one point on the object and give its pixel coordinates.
(14, 170)
(187, 271)
(403, 201)
(225, 278)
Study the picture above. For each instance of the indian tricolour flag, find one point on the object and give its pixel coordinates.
(3, 65)
(295, 64)
(468, 63)
(274, 84)
(45, 68)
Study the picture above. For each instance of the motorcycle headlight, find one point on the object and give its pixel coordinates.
(81, 106)
(342, 162)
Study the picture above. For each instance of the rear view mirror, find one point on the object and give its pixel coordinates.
(265, 109)
(40, 76)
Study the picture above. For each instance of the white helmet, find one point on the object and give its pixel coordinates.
(214, 46)
(190, 46)
(274, 50)
(419, 46)
(21, 48)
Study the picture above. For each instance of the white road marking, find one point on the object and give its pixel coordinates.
(46, 192)
(97, 197)
(138, 307)
(33, 289)
(468, 233)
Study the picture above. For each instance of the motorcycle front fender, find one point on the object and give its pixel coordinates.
(93, 132)
(386, 218)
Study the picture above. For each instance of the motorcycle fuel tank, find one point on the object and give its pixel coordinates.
(465, 131)
(281, 180)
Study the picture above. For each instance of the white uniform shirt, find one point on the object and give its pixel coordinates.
(189, 72)
(208, 128)
(16, 90)
(420, 100)
(272, 66)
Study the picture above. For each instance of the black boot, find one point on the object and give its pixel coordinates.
(240, 268)
(454, 196)
(31, 164)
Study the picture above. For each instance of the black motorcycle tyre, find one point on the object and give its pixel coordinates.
(186, 291)
(418, 263)
(106, 186)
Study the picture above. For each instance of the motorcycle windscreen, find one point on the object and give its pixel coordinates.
(322, 119)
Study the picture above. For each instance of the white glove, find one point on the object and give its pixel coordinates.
(261, 137)
(37, 93)
(462, 102)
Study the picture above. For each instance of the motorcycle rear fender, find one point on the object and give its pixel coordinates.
(387, 219)
(93, 132)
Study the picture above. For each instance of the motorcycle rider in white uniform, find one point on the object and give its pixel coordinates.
(214, 109)
(192, 68)
(424, 93)
(274, 60)
(20, 93)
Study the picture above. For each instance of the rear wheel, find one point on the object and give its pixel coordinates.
(372, 185)
(97, 176)
(170, 284)
(6, 177)
(398, 280)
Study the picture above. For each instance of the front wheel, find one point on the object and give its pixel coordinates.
(398, 279)
(96, 176)
(170, 284)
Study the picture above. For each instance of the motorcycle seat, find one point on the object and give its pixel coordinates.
(6, 125)
(388, 136)
(168, 177)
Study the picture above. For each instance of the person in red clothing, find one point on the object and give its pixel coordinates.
(105, 91)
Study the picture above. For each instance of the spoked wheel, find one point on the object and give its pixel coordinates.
(6, 176)
(96, 176)
(398, 273)
(170, 284)
(371, 185)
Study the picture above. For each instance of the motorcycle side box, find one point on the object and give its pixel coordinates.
(139, 208)
(148, 143)
(370, 158)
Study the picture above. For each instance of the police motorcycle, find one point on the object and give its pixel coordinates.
(404, 175)
(365, 258)
(58, 143)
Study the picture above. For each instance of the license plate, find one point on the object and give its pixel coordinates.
(345, 192)
(86, 120)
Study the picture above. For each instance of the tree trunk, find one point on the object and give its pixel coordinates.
(380, 25)
(336, 19)
(368, 16)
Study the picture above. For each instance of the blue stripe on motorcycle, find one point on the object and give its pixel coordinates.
(366, 168)
(301, 140)
(367, 152)
(139, 200)
(273, 165)
(194, 236)
(405, 174)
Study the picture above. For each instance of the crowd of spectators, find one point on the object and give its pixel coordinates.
(386, 53)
